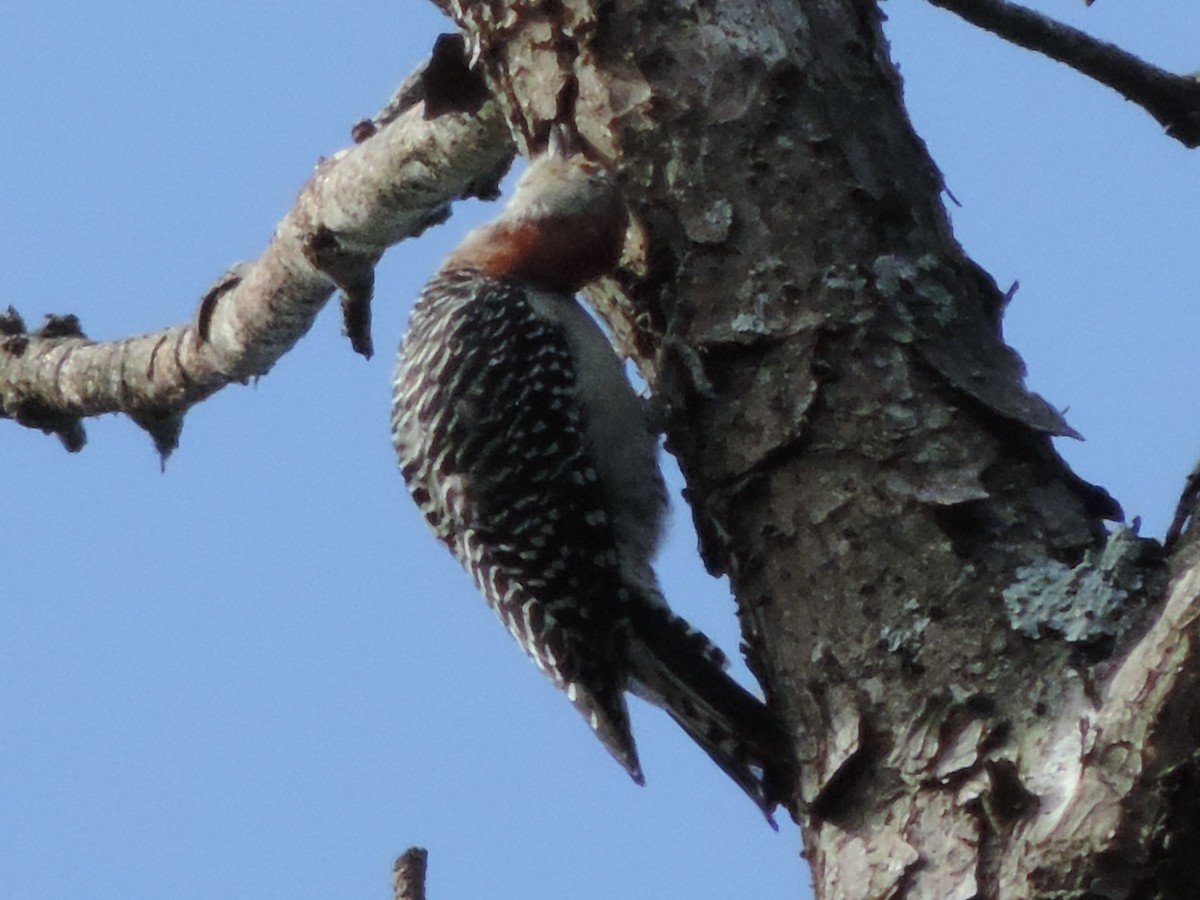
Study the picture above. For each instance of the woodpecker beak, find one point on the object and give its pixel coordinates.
(564, 143)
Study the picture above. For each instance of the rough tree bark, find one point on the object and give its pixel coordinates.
(991, 694)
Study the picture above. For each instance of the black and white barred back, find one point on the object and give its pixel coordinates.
(489, 428)
(482, 410)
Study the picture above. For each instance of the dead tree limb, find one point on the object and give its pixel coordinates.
(395, 183)
(1174, 100)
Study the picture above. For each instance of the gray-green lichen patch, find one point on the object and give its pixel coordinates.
(907, 635)
(1084, 603)
(709, 225)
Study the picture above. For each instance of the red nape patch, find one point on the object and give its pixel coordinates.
(557, 254)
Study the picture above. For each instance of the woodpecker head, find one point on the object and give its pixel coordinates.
(563, 226)
(558, 186)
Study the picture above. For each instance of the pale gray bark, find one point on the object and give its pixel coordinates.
(357, 203)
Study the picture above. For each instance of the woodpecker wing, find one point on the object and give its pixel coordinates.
(491, 446)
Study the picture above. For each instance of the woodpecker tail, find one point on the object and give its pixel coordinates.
(608, 715)
(678, 669)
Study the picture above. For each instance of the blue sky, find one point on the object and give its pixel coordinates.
(256, 675)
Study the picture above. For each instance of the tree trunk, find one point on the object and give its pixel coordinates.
(990, 695)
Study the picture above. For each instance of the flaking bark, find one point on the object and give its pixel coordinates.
(918, 572)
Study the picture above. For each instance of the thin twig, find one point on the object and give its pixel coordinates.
(408, 874)
(1185, 510)
(1174, 100)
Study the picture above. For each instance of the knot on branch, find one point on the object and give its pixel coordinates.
(29, 411)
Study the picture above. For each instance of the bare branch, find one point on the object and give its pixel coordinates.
(1185, 510)
(408, 874)
(445, 82)
(1174, 100)
(394, 184)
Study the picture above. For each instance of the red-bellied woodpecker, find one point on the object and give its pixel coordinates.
(530, 456)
